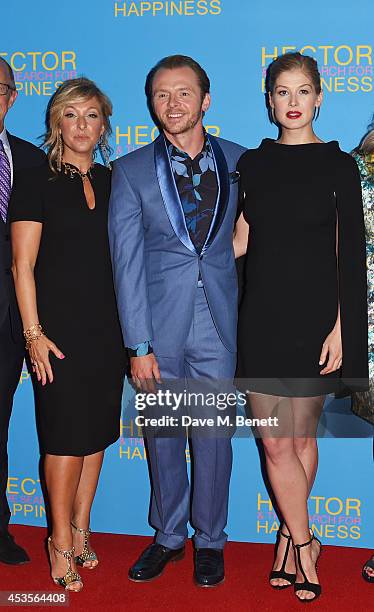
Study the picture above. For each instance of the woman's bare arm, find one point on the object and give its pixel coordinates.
(26, 237)
(241, 232)
(332, 346)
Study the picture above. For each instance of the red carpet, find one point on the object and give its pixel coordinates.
(245, 588)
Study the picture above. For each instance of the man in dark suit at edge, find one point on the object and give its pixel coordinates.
(15, 154)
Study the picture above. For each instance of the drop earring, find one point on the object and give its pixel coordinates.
(104, 151)
(316, 113)
(59, 152)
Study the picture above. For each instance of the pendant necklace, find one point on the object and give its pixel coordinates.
(73, 170)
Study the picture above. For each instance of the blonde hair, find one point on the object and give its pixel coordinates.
(367, 143)
(73, 90)
(366, 149)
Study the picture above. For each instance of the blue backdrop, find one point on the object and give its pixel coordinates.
(115, 44)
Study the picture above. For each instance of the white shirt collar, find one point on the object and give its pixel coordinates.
(4, 138)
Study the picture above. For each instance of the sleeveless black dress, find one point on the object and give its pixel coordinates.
(78, 414)
(293, 196)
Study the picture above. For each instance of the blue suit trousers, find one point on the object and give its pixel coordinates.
(204, 357)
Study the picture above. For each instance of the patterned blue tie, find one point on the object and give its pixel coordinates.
(5, 182)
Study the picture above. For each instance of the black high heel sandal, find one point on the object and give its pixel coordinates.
(281, 573)
(314, 588)
(370, 565)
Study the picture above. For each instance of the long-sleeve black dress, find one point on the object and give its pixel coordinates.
(306, 255)
(78, 414)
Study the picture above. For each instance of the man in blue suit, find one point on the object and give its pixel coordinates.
(171, 219)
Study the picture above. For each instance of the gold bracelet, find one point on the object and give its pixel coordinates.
(32, 333)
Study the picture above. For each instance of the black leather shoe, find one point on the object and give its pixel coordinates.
(152, 562)
(209, 567)
(10, 552)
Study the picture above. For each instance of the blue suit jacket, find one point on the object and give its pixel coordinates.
(155, 264)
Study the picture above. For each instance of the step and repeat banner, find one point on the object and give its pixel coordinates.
(115, 43)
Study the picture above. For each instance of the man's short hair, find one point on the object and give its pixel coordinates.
(177, 61)
(8, 68)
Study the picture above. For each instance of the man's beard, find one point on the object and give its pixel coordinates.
(182, 127)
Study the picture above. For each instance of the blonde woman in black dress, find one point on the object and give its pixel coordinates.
(63, 278)
(302, 322)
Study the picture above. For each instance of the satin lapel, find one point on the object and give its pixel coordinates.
(222, 172)
(170, 195)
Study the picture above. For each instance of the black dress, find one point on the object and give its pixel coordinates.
(293, 196)
(78, 414)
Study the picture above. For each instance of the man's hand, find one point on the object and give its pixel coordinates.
(144, 371)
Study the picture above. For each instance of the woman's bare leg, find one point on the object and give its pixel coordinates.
(288, 479)
(84, 498)
(306, 414)
(62, 474)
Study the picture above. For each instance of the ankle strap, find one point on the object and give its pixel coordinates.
(84, 531)
(68, 554)
(288, 537)
(298, 546)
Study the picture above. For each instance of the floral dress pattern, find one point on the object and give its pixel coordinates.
(363, 403)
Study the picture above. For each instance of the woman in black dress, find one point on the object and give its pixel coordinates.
(63, 280)
(302, 322)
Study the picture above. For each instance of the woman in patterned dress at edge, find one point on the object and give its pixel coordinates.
(302, 322)
(363, 402)
(63, 279)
